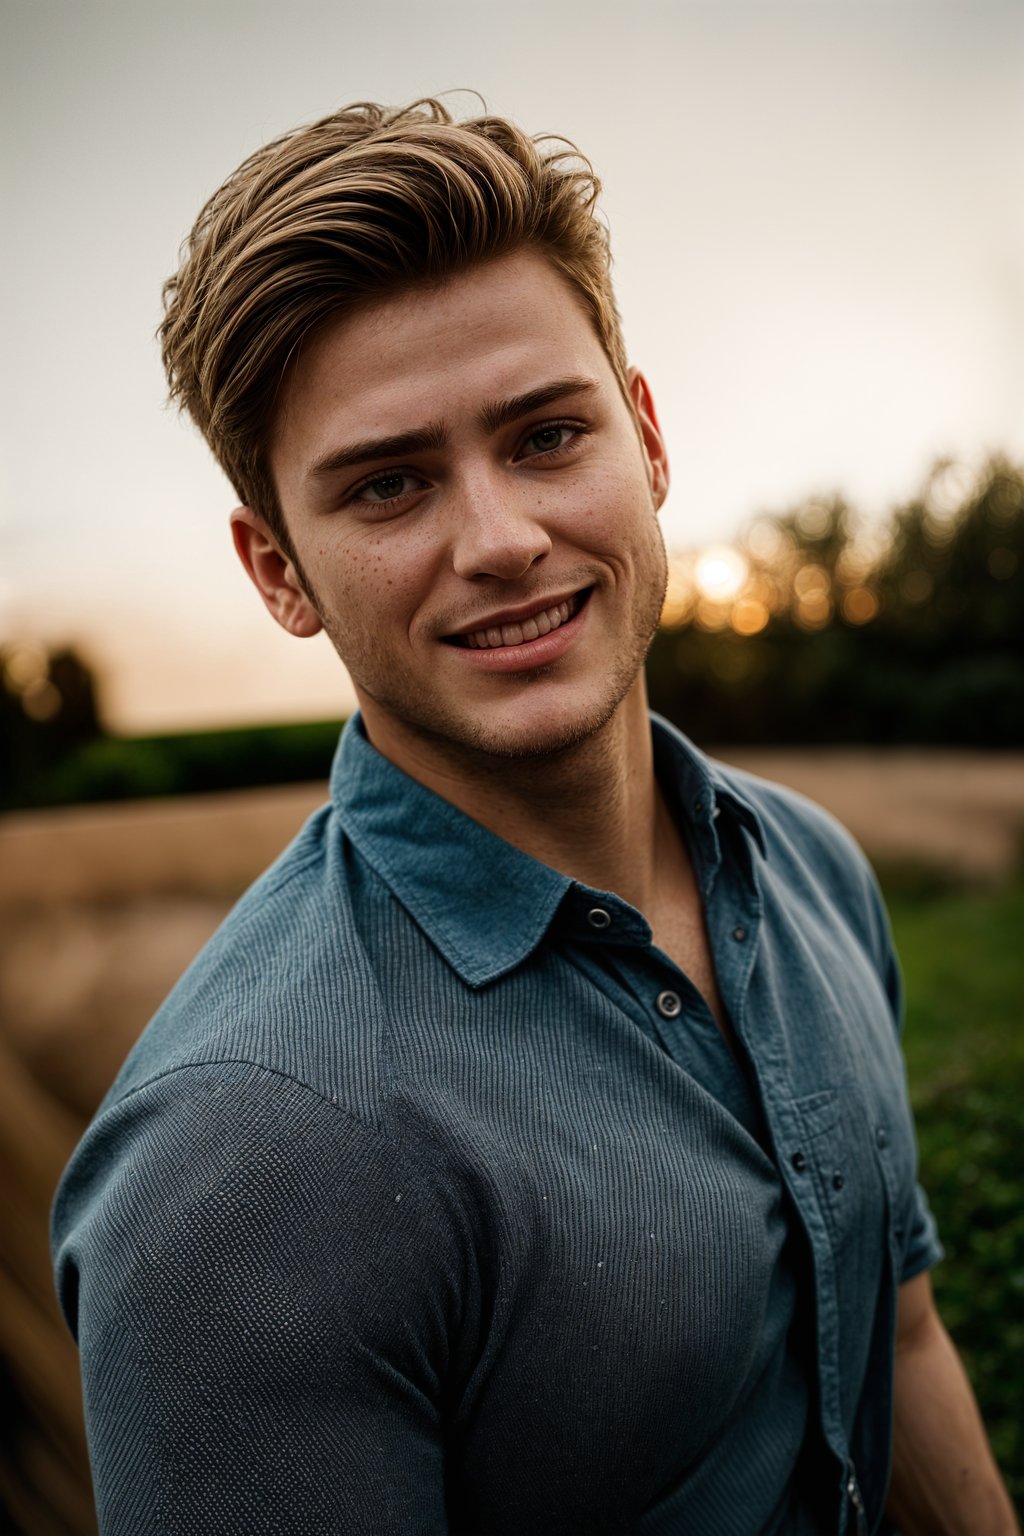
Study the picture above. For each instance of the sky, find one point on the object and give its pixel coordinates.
(817, 218)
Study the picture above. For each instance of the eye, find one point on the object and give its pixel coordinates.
(387, 487)
(550, 438)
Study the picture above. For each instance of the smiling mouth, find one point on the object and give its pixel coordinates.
(525, 630)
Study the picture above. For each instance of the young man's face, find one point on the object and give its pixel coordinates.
(474, 512)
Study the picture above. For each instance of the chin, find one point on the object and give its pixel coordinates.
(530, 734)
(550, 717)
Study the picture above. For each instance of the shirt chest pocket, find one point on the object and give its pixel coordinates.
(857, 1205)
(841, 1176)
(856, 1137)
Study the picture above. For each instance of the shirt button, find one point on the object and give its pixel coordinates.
(597, 917)
(882, 1137)
(799, 1161)
(739, 933)
(669, 1005)
(837, 1180)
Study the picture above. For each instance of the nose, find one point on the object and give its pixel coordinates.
(497, 532)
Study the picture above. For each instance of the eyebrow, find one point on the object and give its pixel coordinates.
(435, 435)
(499, 413)
(493, 415)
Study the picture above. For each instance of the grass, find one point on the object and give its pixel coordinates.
(963, 961)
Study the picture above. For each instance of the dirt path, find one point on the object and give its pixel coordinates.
(963, 811)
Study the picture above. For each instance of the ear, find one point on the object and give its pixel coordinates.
(654, 448)
(272, 573)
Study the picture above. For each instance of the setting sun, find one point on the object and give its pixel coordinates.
(720, 573)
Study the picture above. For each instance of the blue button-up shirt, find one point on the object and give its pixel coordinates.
(433, 1199)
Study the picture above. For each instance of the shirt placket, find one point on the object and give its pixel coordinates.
(734, 930)
(659, 996)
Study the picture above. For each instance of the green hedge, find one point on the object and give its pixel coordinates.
(964, 972)
(121, 768)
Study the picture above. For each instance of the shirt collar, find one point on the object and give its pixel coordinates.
(700, 787)
(484, 903)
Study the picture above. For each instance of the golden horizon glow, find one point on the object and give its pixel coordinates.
(749, 616)
(720, 573)
(859, 605)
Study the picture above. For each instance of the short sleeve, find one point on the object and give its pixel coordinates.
(922, 1247)
(263, 1291)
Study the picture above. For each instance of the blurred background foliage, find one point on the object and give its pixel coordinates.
(964, 979)
(814, 627)
(819, 628)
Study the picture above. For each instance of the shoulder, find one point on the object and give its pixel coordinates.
(793, 824)
(810, 856)
(209, 1177)
(283, 985)
(259, 1099)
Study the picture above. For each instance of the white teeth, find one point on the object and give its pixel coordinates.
(517, 634)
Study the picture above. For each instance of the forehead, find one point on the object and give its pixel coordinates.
(505, 327)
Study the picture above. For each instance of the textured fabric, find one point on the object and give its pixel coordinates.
(420, 1208)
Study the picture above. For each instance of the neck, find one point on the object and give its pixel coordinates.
(592, 812)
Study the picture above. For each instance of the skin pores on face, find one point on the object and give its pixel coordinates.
(475, 512)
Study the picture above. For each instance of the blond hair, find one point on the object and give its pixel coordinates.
(362, 204)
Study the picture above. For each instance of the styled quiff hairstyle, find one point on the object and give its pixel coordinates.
(358, 206)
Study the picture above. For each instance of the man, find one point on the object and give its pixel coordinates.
(529, 1151)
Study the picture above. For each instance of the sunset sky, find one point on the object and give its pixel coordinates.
(817, 213)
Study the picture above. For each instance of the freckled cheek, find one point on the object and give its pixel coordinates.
(372, 575)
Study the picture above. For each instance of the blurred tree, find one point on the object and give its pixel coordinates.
(48, 709)
(955, 582)
(839, 635)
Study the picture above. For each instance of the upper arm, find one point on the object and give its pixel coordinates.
(264, 1301)
(916, 1313)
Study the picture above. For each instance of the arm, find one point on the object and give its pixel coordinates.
(944, 1480)
(263, 1291)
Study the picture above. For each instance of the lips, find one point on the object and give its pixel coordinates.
(521, 631)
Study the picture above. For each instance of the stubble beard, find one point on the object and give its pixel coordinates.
(462, 740)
